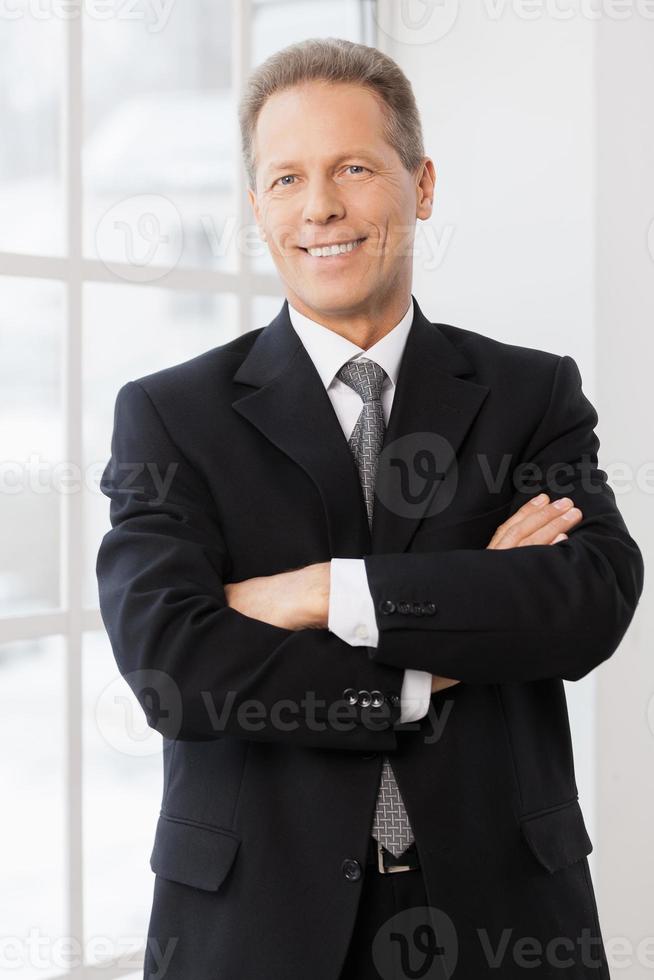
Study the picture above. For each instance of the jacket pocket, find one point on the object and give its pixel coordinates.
(191, 853)
(557, 836)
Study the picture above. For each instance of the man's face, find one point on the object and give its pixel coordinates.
(325, 174)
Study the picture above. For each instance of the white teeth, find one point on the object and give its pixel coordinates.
(334, 249)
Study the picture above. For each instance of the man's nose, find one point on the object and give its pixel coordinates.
(322, 202)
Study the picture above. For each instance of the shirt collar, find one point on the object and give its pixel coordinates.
(329, 350)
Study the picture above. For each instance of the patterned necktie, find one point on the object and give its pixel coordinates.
(391, 825)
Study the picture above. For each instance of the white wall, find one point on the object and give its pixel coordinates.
(542, 134)
(625, 355)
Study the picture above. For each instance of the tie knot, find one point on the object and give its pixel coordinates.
(366, 377)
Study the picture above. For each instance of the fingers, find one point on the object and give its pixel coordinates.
(560, 523)
(439, 683)
(552, 531)
(533, 523)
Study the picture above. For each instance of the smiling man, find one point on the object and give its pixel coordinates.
(349, 618)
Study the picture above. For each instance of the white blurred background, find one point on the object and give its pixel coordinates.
(123, 249)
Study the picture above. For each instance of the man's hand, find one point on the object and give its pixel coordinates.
(536, 522)
(293, 600)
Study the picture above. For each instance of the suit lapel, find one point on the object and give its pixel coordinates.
(291, 408)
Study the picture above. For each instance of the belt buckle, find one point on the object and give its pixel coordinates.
(391, 868)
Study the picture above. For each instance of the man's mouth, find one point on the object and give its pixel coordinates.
(331, 251)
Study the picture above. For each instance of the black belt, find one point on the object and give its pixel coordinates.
(387, 863)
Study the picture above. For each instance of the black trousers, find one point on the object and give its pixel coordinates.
(388, 930)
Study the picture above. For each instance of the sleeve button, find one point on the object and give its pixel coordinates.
(386, 606)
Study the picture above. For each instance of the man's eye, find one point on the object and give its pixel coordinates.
(350, 166)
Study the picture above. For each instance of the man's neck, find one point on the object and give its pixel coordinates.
(361, 328)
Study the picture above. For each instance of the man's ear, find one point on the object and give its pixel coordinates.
(425, 189)
(252, 197)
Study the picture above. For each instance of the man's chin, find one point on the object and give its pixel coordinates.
(333, 299)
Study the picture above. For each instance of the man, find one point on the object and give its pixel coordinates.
(353, 556)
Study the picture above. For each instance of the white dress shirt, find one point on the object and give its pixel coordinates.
(351, 609)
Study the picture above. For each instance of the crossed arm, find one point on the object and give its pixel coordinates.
(518, 610)
(510, 614)
(299, 599)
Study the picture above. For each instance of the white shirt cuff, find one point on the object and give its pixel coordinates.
(352, 618)
(351, 609)
(415, 696)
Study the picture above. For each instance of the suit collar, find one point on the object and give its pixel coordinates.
(290, 406)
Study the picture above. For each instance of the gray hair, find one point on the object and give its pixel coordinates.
(334, 59)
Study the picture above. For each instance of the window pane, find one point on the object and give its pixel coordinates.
(122, 784)
(31, 442)
(277, 23)
(31, 180)
(160, 155)
(131, 331)
(33, 903)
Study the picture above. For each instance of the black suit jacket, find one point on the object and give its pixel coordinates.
(232, 465)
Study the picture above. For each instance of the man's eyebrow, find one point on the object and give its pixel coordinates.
(290, 164)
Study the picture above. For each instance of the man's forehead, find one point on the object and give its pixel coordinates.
(357, 130)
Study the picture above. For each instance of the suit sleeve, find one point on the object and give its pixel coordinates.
(200, 669)
(530, 612)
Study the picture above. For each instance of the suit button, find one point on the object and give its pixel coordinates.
(377, 699)
(404, 607)
(393, 698)
(364, 698)
(429, 608)
(386, 606)
(351, 869)
(350, 695)
(416, 608)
